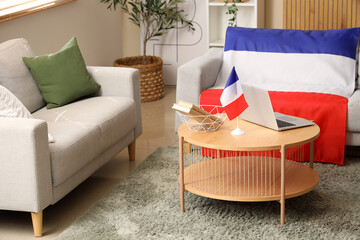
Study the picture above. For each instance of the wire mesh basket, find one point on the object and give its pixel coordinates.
(205, 123)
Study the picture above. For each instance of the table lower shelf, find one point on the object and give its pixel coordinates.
(248, 179)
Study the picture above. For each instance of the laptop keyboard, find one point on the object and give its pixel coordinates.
(282, 124)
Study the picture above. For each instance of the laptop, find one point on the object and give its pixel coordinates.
(260, 111)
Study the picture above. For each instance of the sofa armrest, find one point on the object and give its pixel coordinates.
(118, 81)
(353, 116)
(25, 173)
(196, 76)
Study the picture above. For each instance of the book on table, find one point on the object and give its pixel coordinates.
(196, 113)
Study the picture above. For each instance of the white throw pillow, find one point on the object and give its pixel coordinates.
(10, 106)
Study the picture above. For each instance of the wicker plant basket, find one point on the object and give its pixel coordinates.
(151, 75)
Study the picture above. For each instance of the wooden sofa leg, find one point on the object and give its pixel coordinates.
(37, 221)
(131, 149)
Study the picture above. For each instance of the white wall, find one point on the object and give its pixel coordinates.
(131, 40)
(103, 35)
(98, 30)
(274, 13)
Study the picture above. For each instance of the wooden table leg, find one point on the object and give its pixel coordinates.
(312, 154)
(181, 173)
(282, 199)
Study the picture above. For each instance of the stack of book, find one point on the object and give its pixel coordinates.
(197, 118)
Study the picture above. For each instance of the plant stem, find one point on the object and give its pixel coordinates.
(153, 17)
(144, 50)
(145, 37)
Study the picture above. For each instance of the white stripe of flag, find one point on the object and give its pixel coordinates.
(232, 98)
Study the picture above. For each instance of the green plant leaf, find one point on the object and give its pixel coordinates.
(153, 17)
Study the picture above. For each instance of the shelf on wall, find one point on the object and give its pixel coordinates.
(222, 4)
(237, 4)
(250, 14)
(217, 43)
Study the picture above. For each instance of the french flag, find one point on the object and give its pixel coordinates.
(309, 74)
(292, 60)
(232, 98)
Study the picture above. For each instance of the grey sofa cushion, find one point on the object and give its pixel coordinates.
(84, 129)
(353, 117)
(16, 77)
(75, 146)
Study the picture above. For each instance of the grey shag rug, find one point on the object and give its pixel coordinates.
(146, 206)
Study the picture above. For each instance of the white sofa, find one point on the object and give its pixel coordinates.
(201, 73)
(88, 133)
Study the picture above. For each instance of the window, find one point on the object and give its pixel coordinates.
(10, 9)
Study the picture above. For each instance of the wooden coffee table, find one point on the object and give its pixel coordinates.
(251, 167)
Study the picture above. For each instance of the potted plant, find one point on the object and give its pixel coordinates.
(233, 10)
(154, 18)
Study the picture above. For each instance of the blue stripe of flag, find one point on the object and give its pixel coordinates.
(233, 77)
(341, 42)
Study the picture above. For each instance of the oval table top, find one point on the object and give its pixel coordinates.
(256, 138)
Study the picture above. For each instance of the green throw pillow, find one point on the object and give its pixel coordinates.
(62, 77)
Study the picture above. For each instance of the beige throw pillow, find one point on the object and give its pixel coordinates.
(16, 77)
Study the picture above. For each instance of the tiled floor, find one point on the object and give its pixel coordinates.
(158, 130)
